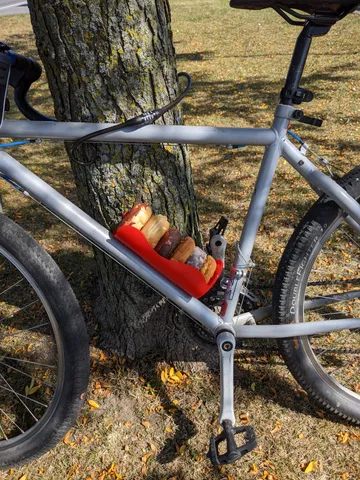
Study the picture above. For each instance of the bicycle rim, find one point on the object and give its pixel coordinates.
(31, 355)
(333, 278)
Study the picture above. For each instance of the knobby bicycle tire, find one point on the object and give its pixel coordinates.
(37, 397)
(318, 260)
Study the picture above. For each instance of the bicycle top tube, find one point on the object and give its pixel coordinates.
(70, 131)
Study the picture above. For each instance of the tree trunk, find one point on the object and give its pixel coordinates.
(107, 61)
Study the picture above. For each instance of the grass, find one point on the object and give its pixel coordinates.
(145, 428)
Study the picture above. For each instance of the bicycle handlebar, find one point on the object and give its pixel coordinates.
(24, 72)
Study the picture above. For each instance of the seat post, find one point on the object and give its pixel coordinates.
(292, 93)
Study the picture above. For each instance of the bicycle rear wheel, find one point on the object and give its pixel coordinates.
(44, 351)
(318, 279)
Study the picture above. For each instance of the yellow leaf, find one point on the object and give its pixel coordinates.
(145, 423)
(301, 435)
(311, 466)
(146, 457)
(175, 378)
(167, 429)
(66, 438)
(128, 424)
(172, 371)
(23, 477)
(93, 403)
(34, 389)
(253, 468)
(180, 375)
(164, 376)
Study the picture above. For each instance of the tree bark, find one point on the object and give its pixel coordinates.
(107, 61)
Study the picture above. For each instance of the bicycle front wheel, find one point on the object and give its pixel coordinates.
(318, 279)
(44, 351)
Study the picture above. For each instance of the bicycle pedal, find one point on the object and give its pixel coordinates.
(233, 452)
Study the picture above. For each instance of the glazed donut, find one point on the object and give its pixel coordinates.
(208, 269)
(184, 250)
(138, 216)
(155, 229)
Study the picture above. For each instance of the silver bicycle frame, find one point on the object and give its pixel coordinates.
(225, 326)
(276, 143)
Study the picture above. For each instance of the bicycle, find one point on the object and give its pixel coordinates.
(42, 392)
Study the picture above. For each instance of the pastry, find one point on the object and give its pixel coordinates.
(138, 216)
(168, 242)
(184, 250)
(155, 229)
(197, 258)
(208, 269)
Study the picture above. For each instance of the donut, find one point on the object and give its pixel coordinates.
(138, 216)
(184, 250)
(168, 242)
(155, 229)
(208, 269)
(197, 258)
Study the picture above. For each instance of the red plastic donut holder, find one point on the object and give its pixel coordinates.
(190, 279)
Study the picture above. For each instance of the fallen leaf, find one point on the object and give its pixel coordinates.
(145, 423)
(146, 457)
(253, 468)
(34, 389)
(311, 466)
(93, 404)
(66, 439)
(277, 427)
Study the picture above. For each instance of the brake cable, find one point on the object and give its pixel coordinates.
(145, 118)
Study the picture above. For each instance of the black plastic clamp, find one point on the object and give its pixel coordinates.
(297, 95)
(233, 452)
(220, 227)
(299, 116)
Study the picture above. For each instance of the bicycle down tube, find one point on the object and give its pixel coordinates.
(273, 139)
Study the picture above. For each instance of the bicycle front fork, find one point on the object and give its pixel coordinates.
(226, 345)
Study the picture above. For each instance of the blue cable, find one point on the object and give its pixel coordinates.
(8, 179)
(14, 144)
(292, 134)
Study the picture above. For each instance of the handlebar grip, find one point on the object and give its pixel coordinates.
(25, 71)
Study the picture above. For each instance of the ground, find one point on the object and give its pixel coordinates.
(139, 422)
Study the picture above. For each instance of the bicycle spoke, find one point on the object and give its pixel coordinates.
(20, 310)
(25, 330)
(28, 361)
(349, 236)
(14, 423)
(26, 398)
(3, 432)
(25, 374)
(12, 286)
(17, 396)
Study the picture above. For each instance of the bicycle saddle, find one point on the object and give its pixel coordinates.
(315, 7)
